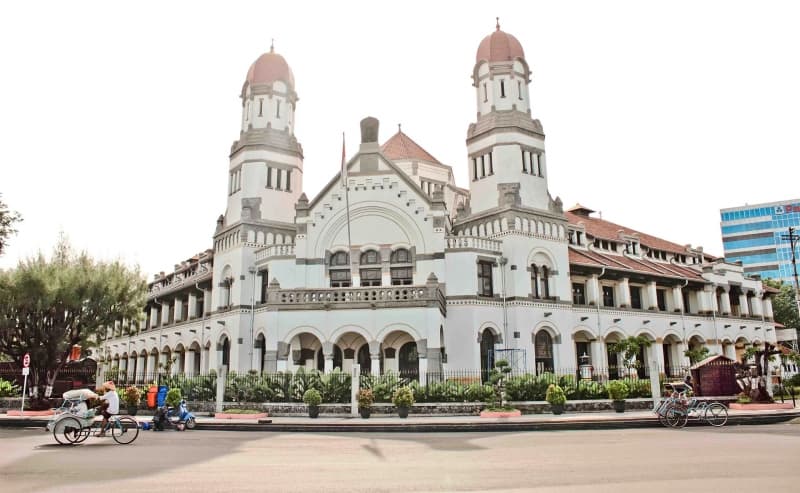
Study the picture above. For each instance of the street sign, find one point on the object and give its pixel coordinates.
(26, 371)
(26, 363)
(26, 360)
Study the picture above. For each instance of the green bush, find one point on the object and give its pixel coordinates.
(555, 395)
(312, 397)
(617, 390)
(477, 392)
(365, 398)
(403, 397)
(9, 389)
(174, 397)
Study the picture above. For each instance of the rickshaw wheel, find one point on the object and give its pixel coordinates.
(67, 431)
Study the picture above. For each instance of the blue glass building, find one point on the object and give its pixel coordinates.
(754, 235)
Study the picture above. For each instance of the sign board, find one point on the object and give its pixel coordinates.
(26, 360)
(26, 371)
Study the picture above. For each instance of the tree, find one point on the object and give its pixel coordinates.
(629, 348)
(48, 306)
(7, 220)
(784, 307)
(697, 354)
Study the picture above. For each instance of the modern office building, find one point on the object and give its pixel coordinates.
(757, 235)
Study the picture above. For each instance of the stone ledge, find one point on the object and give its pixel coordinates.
(760, 406)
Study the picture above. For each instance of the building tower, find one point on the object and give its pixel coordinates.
(505, 145)
(265, 181)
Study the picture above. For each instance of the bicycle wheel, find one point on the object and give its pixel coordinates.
(125, 430)
(67, 431)
(716, 414)
(677, 418)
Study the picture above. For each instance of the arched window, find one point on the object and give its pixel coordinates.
(401, 268)
(364, 359)
(370, 276)
(535, 280)
(339, 270)
(487, 353)
(546, 282)
(225, 347)
(408, 360)
(543, 351)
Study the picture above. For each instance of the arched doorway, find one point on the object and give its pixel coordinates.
(225, 349)
(543, 352)
(408, 360)
(337, 358)
(261, 347)
(364, 359)
(488, 341)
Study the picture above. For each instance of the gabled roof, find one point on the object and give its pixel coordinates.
(723, 360)
(400, 146)
(606, 230)
(580, 256)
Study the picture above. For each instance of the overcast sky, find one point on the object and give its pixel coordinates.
(116, 122)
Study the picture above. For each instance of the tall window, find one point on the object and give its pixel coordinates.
(535, 280)
(278, 110)
(687, 307)
(288, 180)
(578, 293)
(636, 297)
(185, 309)
(491, 165)
(278, 173)
(485, 287)
(226, 291)
(340, 270)
(502, 88)
(199, 306)
(400, 267)
(608, 296)
(260, 106)
(370, 268)
(485, 93)
(546, 282)
(543, 348)
(264, 285)
(269, 177)
(661, 299)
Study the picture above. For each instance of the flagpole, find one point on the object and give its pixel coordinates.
(346, 199)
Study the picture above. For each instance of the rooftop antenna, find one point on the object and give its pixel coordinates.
(272, 45)
(498, 23)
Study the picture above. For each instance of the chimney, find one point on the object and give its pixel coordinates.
(369, 135)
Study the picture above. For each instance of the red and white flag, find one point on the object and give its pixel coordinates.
(344, 165)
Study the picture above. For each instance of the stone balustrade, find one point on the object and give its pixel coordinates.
(473, 243)
(430, 294)
(275, 251)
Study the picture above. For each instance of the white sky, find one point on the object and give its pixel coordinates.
(116, 121)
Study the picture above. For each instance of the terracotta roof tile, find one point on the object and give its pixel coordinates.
(619, 262)
(600, 228)
(401, 146)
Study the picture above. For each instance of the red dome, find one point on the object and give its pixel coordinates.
(268, 68)
(499, 47)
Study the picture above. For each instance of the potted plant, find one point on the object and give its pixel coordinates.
(365, 400)
(403, 399)
(556, 397)
(131, 397)
(312, 398)
(617, 392)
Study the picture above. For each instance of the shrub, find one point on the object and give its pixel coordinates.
(365, 398)
(132, 395)
(312, 397)
(477, 392)
(8, 389)
(617, 390)
(555, 395)
(173, 397)
(403, 397)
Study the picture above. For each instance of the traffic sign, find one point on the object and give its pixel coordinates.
(26, 371)
(26, 360)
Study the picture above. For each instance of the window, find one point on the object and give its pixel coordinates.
(543, 351)
(491, 165)
(370, 277)
(661, 299)
(369, 257)
(288, 180)
(485, 93)
(519, 89)
(400, 256)
(269, 177)
(535, 280)
(546, 282)
(264, 285)
(474, 169)
(278, 173)
(578, 293)
(340, 270)
(260, 106)
(200, 306)
(502, 88)
(608, 296)
(636, 297)
(278, 109)
(401, 276)
(686, 305)
(184, 309)
(483, 167)
(485, 287)
(524, 162)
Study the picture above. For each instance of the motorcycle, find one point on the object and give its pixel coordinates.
(182, 415)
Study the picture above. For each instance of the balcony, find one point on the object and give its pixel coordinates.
(430, 294)
(275, 251)
(473, 243)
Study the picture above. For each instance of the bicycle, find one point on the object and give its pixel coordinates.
(677, 410)
(72, 425)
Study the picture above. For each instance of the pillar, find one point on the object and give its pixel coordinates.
(725, 302)
(743, 309)
(652, 297)
(767, 305)
(593, 290)
(677, 299)
(178, 307)
(375, 357)
(191, 361)
(422, 362)
(192, 306)
(623, 293)
(283, 356)
(327, 353)
(656, 351)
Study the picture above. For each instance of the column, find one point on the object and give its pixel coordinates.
(725, 301)
(177, 305)
(593, 290)
(191, 356)
(375, 357)
(743, 305)
(192, 306)
(758, 309)
(599, 360)
(153, 316)
(327, 353)
(677, 299)
(767, 305)
(656, 351)
(623, 293)
(652, 298)
(422, 362)
(283, 356)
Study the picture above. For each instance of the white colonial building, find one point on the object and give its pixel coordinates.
(429, 276)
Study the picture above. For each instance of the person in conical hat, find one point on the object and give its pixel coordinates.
(109, 405)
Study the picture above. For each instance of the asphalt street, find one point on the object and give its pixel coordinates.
(736, 458)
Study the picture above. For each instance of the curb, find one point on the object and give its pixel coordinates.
(438, 427)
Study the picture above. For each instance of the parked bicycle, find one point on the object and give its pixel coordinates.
(676, 410)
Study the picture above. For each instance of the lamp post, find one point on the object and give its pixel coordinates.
(503, 261)
(793, 238)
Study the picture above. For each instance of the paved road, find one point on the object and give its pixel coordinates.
(744, 458)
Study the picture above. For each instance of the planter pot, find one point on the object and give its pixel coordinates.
(402, 411)
(557, 408)
(132, 410)
(313, 411)
(619, 406)
(364, 412)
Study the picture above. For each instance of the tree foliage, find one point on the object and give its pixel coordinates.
(8, 219)
(47, 306)
(629, 348)
(784, 308)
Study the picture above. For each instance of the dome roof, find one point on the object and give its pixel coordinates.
(268, 68)
(499, 47)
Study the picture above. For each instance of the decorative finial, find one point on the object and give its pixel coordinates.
(272, 45)
(498, 23)
(398, 128)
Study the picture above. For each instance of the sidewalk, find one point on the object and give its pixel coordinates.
(392, 423)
